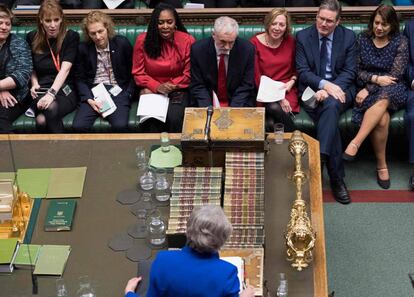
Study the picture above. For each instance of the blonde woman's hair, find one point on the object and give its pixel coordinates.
(96, 16)
(47, 9)
(5, 12)
(272, 15)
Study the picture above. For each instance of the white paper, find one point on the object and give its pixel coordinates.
(153, 106)
(270, 90)
(104, 98)
(308, 97)
(239, 263)
(216, 102)
(194, 5)
(30, 113)
(112, 4)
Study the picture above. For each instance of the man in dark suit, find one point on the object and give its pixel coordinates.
(223, 64)
(409, 112)
(105, 58)
(326, 62)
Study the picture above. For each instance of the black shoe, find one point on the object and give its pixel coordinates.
(412, 182)
(383, 183)
(340, 192)
(350, 158)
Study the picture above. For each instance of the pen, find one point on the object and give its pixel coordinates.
(292, 115)
(244, 285)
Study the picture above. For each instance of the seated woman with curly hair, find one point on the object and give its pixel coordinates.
(161, 65)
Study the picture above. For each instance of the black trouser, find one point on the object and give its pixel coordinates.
(86, 115)
(175, 117)
(51, 119)
(9, 115)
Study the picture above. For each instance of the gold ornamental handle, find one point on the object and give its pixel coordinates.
(300, 237)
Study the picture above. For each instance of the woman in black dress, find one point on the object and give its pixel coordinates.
(382, 61)
(54, 51)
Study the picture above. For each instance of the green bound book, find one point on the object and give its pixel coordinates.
(8, 249)
(52, 260)
(59, 215)
(26, 255)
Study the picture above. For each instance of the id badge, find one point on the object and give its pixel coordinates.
(115, 90)
(66, 90)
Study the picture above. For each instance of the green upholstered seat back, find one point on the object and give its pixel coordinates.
(198, 31)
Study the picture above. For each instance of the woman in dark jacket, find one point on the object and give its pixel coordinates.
(15, 71)
(103, 58)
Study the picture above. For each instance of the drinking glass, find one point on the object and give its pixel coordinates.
(141, 157)
(147, 179)
(165, 142)
(61, 290)
(156, 229)
(85, 288)
(162, 186)
(279, 130)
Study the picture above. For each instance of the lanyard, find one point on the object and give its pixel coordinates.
(55, 59)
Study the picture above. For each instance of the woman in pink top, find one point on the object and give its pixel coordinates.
(275, 58)
(161, 65)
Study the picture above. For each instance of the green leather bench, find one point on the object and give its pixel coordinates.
(303, 122)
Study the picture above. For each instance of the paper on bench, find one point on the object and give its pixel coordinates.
(112, 4)
(153, 106)
(270, 90)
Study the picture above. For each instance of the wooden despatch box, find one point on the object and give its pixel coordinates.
(232, 129)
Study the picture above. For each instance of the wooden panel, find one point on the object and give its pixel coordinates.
(299, 15)
(227, 124)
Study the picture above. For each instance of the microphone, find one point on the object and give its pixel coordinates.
(210, 112)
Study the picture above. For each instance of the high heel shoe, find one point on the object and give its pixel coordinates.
(348, 157)
(383, 183)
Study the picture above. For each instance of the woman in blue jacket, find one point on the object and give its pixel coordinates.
(195, 270)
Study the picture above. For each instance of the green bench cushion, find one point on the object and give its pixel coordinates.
(302, 121)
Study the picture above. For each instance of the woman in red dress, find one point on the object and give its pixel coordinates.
(161, 65)
(275, 58)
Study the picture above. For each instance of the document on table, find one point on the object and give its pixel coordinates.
(104, 98)
(112, 4)
(153, 106)
(270, 90)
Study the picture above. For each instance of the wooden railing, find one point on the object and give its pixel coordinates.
(299, 15)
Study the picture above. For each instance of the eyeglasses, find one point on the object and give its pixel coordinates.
(325, 20)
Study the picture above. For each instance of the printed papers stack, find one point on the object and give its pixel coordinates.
(244, 199)
(103, 97)
(192, 186)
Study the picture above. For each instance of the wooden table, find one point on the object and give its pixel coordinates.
(110, 159)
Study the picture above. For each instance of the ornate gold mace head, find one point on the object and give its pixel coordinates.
(300, 237)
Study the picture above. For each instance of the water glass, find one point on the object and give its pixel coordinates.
(162, 186)
(282, 289)
(61, 290)
(165, 142)
(147, 179)
(141, 157)
(279, 130)
(156, 229)
(85, 288)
